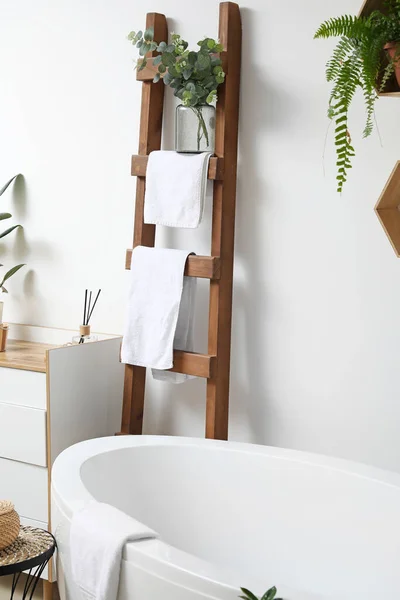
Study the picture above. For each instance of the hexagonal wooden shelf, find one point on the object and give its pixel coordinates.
(388, 208)
(392, 88)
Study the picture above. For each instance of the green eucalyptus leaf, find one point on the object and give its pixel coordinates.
(192, 58)
(167, 79)
(153, 46)
(144, 49)
(187, 73)
(139, 43)
(7, 231)
(4, 216)
(162, 68)
(203, 61)
(157, 60)
(157, 78)
(142, 64)
(162, 47)
(149, 34)
(168, 59)
(170, 48)
(175, 83)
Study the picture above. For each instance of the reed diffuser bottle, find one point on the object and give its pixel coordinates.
(84, 330)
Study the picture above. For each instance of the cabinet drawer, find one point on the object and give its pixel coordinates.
(23, 434)
(25, 388)
(27, 487)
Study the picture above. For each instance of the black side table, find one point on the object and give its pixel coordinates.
(30, 552)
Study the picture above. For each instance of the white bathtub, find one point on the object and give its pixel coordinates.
(231, 515)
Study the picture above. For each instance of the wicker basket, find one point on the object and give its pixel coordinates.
(9, 524)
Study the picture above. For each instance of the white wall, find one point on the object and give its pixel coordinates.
(317, 285)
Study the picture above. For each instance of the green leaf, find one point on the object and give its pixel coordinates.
(170, 48)
(249, 595)
(149, 34)
(210, 43)
(192, 58)
(203, 61)
(187, 73)
(157, 78)
(168, 59)
(157, 60)
(4, 216)
(7, 231)
(3, 189)
(270, 594)
(167, 79)
(10, 273)
(162, 69)
(161, 47)
(144, 49)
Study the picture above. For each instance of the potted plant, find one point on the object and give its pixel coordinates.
(359, 60)
(4, 216)
(194, 76)
(269, 595)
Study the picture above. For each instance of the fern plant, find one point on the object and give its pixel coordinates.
(269, 595)
(357, 62)
(3, 217)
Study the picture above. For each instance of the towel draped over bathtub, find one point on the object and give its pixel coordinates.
(98, 535)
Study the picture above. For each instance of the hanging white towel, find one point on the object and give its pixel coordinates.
(183, 339)
(155, 300)
(97, 537)
(176, 186)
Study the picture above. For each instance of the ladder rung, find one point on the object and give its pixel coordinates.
(205, 267)
(215, 169)
(198, 365)
(147, 74)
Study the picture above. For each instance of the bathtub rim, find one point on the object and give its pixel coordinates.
(70, 494)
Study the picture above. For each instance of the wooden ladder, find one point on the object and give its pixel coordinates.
(218, 268)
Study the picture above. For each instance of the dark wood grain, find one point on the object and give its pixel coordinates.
(206, 267)
(215, 169)
(149, 139)
(223, 225)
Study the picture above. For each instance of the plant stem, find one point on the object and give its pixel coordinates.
(202, 127)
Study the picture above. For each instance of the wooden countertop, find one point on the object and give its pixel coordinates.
(27, 356)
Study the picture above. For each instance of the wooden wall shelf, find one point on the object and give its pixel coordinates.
(392, 87)
(388, 208)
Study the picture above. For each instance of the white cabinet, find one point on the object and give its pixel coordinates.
(51, 398)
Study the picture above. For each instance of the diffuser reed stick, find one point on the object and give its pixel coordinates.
(88, 309)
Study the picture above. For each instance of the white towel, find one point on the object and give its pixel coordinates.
(155, 300)
(183, 339)
(97, 538)
(176, 186)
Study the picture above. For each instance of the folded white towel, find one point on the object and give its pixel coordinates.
(176, 186)
(98, 535)
(155, 301)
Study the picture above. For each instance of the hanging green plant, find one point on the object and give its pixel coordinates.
(3, 217)
(358, 61)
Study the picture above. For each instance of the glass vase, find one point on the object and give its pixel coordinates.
(195, 128)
